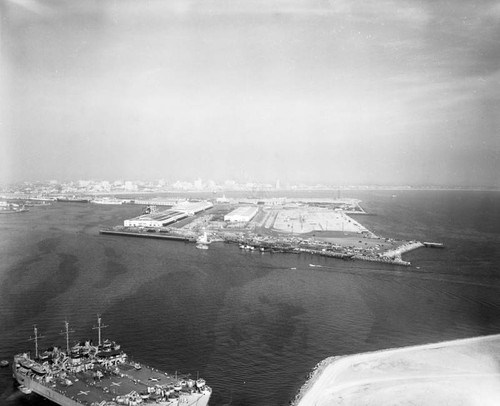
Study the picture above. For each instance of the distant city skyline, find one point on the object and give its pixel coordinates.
(119, 186)
(337, 92)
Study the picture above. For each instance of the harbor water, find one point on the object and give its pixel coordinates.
(252, 324)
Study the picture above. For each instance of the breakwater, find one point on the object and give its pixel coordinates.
(397, 252)
(290, 249)
(392, 257)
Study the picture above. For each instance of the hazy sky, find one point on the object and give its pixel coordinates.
(372, 92)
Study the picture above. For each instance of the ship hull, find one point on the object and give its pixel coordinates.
(45, 391)
(62, 200)
(91, 392)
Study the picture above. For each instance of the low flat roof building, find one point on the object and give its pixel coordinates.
(241, 214)
(160, 219)
(191, 208)
(166, 217)
(158, 202)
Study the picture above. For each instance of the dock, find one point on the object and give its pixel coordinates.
(145, 235)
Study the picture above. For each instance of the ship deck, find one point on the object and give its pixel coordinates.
(86, 388)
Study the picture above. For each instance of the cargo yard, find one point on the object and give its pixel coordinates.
(320, 227)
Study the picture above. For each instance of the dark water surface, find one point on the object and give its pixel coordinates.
(252, 326)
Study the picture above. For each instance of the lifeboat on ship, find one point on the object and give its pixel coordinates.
(26, 363)
(39, 369)
(24, 389)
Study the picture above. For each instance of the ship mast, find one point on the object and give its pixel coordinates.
(98, 328)
(35, 339)
(66, 324)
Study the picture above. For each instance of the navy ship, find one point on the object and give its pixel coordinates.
(73, 199)
(102, 375)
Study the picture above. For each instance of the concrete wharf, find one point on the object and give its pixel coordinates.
(146, 235)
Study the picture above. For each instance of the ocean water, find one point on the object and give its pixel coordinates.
(248, 323)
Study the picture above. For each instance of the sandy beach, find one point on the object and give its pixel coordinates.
(461, 372)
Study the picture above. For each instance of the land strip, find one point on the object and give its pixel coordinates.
(460, 372)
(311, 226)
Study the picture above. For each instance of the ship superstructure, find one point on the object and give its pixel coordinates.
(102, 375)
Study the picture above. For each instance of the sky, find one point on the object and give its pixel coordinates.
(386, 92)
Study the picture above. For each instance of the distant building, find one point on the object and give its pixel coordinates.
(130, 186)
(192, 208)
(83, 183)
(158, 201)
(222, 199)
(241, 214)
(166, 217)
(160, 219)
(198, 184)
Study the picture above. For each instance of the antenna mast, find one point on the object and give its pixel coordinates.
(66, 324)
(98, 328)
(35, 339)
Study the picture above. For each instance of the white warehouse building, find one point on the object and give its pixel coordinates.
(241, 214)
(161, 219)
(192, 208)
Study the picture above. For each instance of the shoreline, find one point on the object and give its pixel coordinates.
(277, 247)
(322, 231)
(345, 373)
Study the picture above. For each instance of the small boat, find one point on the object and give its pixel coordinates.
(247, 247)
(39, 369)
(137, 366)
(202, 246)
(433, 244)
(121, 399)
(4, 363)
(26, 363)
(24, 389)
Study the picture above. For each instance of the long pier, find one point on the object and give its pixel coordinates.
(391, 257)
(146, 235)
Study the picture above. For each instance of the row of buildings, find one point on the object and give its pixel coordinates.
(186, 209)
(166, 217)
